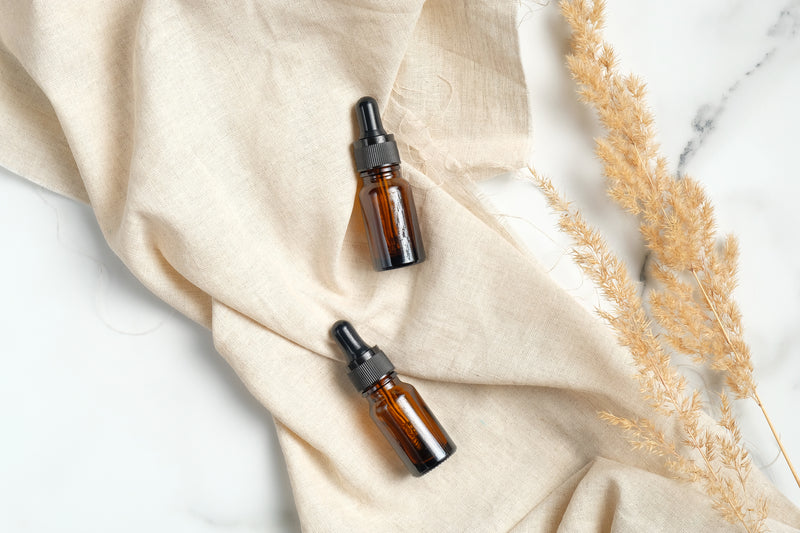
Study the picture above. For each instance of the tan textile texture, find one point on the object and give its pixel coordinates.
(214, 145)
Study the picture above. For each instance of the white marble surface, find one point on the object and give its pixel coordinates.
(117, 415)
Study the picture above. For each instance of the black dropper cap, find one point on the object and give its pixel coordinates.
(366, 366)
(375, 148)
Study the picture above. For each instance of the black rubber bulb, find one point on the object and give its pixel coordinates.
(369, 118)
(347, 337)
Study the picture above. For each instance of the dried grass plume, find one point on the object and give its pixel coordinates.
(691, 310)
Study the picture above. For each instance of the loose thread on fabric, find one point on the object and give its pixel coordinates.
(102, 281)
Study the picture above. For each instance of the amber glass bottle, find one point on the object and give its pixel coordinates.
(387, 203)
(395, 406)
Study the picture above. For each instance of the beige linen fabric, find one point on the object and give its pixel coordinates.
(213, 142)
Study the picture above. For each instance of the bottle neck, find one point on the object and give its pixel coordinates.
(380, 173)
(386, 382)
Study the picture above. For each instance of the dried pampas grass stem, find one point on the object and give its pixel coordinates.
(711, 455)
(691, 311)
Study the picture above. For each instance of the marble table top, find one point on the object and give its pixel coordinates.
(119, 416)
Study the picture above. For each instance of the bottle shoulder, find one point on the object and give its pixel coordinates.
(384, 187)
(392, 391)
(391, 173)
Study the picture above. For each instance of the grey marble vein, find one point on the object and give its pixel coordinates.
(786, 26)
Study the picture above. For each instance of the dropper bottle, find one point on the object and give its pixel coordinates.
(395, 406)
(387, 204)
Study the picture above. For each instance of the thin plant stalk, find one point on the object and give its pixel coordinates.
(755, 397)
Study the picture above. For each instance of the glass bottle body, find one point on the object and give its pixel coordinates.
(390, 218)
(408, 425)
